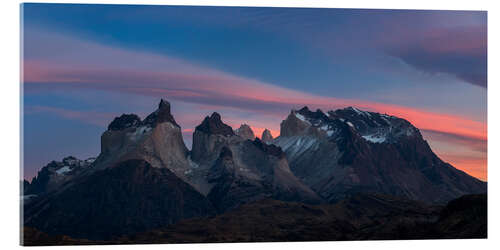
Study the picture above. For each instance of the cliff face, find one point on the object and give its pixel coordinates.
(266, 136)
(245, 132)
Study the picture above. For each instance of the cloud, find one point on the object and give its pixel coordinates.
(473, 165)
(465, 153)
(475, 144)
(100, 119)
(461, 52)
(237, 92)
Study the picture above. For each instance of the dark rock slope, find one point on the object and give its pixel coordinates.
(128, 198)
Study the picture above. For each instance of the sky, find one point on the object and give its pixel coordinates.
(83, 65)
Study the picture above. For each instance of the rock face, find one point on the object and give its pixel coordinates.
(128, 198)
(161, 115)
(250, 171)
(240, 170)
(245, 132)
(209, 137)
(266, 136)
(349, 150)
(157, 140)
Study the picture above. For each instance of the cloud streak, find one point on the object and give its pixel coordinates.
(461, 52)
(227, 90)
(90, 117)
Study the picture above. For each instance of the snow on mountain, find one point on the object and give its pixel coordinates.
(374, 138)
(56, 173)
(351, 149)
(63, 170)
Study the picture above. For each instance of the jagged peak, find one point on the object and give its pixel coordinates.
(354, 110)
(244, 126)
(164, 104)
(216, 116)
(305, 114)
(162, 114)
(266, 136)
(213, 125)
(304, 109)
(124, 121)
(245, 132)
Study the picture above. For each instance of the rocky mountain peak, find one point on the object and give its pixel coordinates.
(304, 109)
(375, 127)
(124, 121)
(304, 121)
(162, 114)
(267, 137)
(315, 116)
(213, 125)
(371, 126)
(164, 105)
(245, 132)
(57, 172)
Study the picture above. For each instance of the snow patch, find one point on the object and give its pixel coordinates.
(294, 146)
(357, 110)
(63, 170)
(301, 117)
(90, 160)
(328, 131)
(374, 138)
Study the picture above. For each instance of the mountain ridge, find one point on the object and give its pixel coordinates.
(318, 158)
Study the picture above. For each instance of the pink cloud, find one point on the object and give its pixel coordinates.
(228, 90)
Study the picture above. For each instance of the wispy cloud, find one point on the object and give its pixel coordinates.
(461, 52)
(109, 68)
(90, 117)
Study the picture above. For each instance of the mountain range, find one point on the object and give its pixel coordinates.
(331, 166)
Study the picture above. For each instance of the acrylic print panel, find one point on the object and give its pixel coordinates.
(177, 124)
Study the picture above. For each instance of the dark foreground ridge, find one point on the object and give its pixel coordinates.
(359, 217)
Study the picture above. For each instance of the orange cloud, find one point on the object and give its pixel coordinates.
(473, 165)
